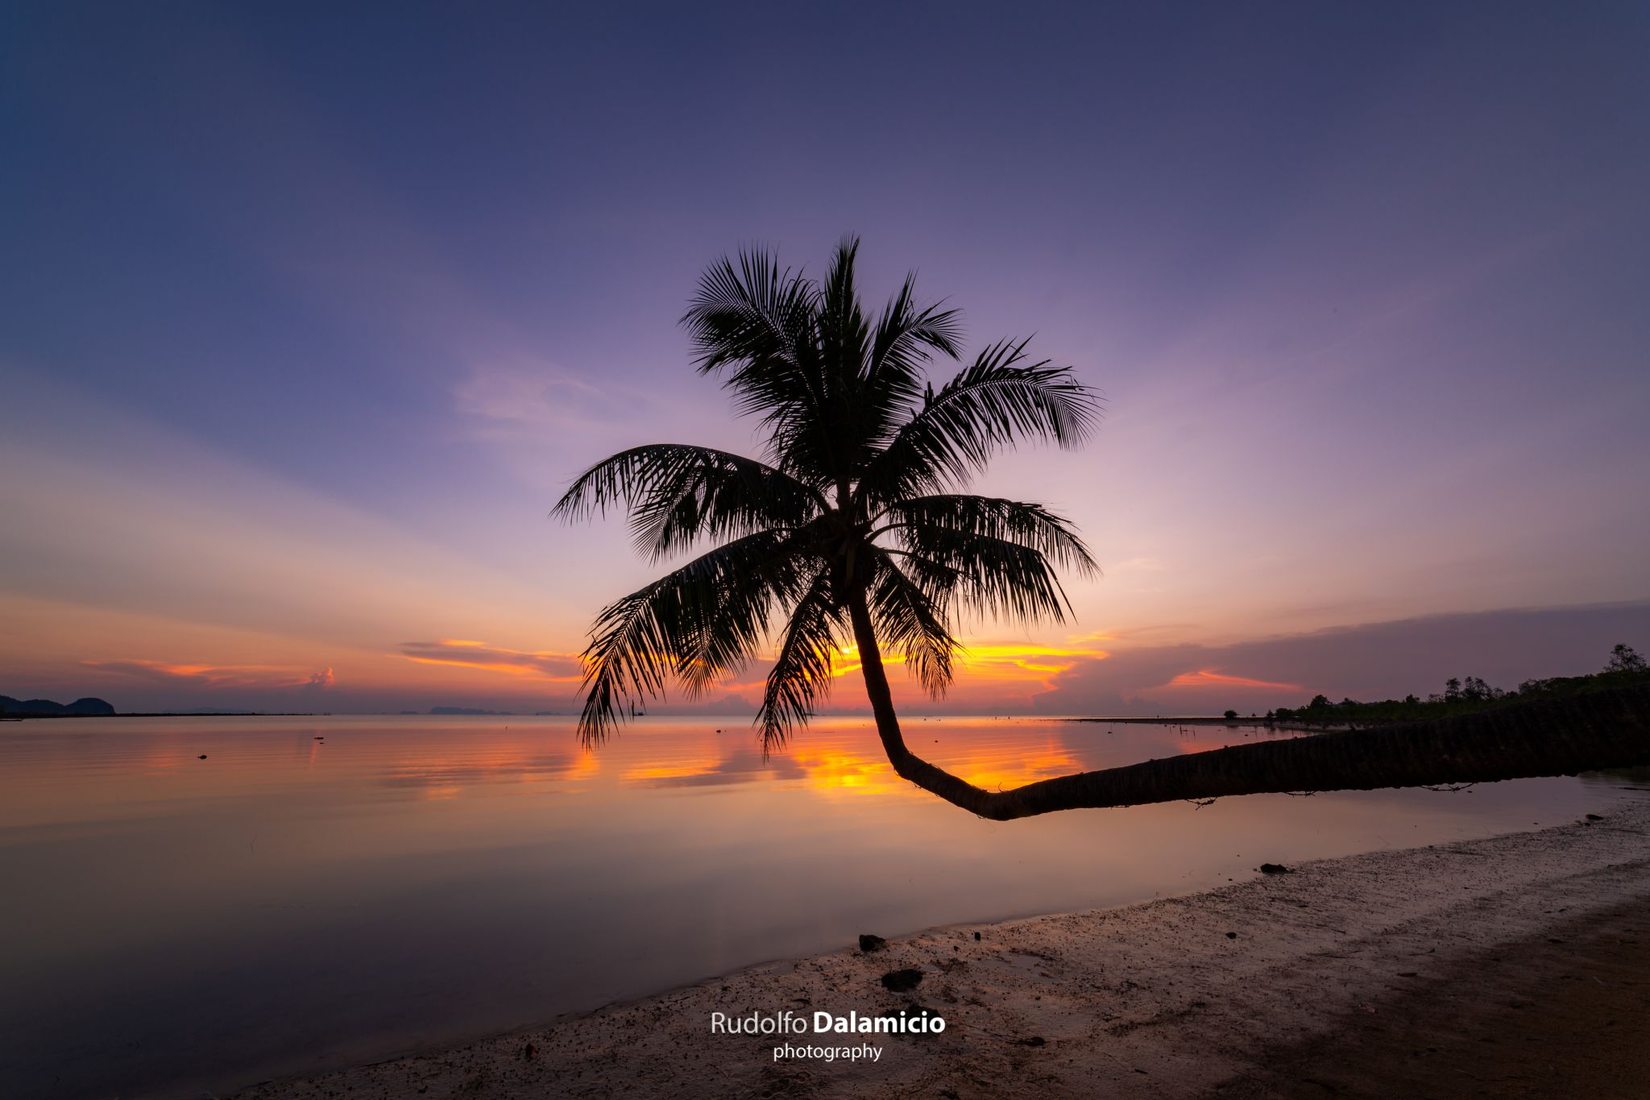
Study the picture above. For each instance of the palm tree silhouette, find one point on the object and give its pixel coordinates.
(854, 527)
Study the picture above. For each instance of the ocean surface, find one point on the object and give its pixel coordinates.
(317, 892)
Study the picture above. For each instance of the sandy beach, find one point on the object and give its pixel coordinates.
(1507, 966)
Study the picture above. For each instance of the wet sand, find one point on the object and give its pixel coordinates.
(1513, 966)
(1564, 1013)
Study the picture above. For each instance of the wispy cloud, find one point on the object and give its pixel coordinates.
(1142, 564)
(215, 676)
(531, 398)
(561, 668)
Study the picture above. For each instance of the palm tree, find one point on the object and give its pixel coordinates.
(854, 526)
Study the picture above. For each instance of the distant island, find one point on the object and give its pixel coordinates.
(91, 707)
(45, 708)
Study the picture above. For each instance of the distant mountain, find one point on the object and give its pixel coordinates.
(45, 708)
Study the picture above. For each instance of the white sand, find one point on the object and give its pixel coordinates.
(1153, 1000)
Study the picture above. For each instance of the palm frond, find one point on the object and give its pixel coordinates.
(697, 622)
(905, 342)
(989, 576)
(1025, 524)
(993, 403)
(801, 673)
(908, 618)
(757, 326)
(844, 334)
(679, 494)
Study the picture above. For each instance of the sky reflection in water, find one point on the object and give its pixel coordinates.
(319, 891)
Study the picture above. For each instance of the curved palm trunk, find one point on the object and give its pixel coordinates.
(1606, 729)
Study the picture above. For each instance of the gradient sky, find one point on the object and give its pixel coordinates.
(307, 315)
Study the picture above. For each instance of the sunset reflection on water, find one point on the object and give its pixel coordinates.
(319, 891)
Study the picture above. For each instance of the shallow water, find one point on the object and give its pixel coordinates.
(323, 891)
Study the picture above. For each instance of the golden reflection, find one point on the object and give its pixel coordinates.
(1001, 767)
(586, 765)
(673, 769)
(833, 769)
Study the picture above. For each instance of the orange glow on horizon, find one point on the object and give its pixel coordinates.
(995, 663)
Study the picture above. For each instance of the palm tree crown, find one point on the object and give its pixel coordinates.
(853, 524)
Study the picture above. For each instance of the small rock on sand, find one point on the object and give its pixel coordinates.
(869, 943)
(901, 981)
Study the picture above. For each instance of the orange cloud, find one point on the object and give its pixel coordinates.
(997, 662)
(559, 668)
(1208, 677)
(265, 676)
(1023, 660)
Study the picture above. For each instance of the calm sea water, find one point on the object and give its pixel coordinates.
(322, 891)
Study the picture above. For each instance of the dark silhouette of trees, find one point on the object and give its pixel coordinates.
(1624, 658)
(854, 528)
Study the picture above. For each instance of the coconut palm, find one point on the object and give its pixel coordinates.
(854, 531)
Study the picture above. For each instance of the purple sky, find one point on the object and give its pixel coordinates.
(308, 316)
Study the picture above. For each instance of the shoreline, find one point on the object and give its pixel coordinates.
(1173, 998)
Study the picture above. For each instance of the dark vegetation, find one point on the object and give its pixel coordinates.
(1465, 695)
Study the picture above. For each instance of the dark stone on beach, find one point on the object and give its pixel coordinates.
(1274, 869)
(202, 756)
(976, 937)
(901, 981)
(1231, 935)
(1034, 1041)
(1595, 817)
(869, 943)
(529, 1051)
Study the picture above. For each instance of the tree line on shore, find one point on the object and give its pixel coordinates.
(1465, 695)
